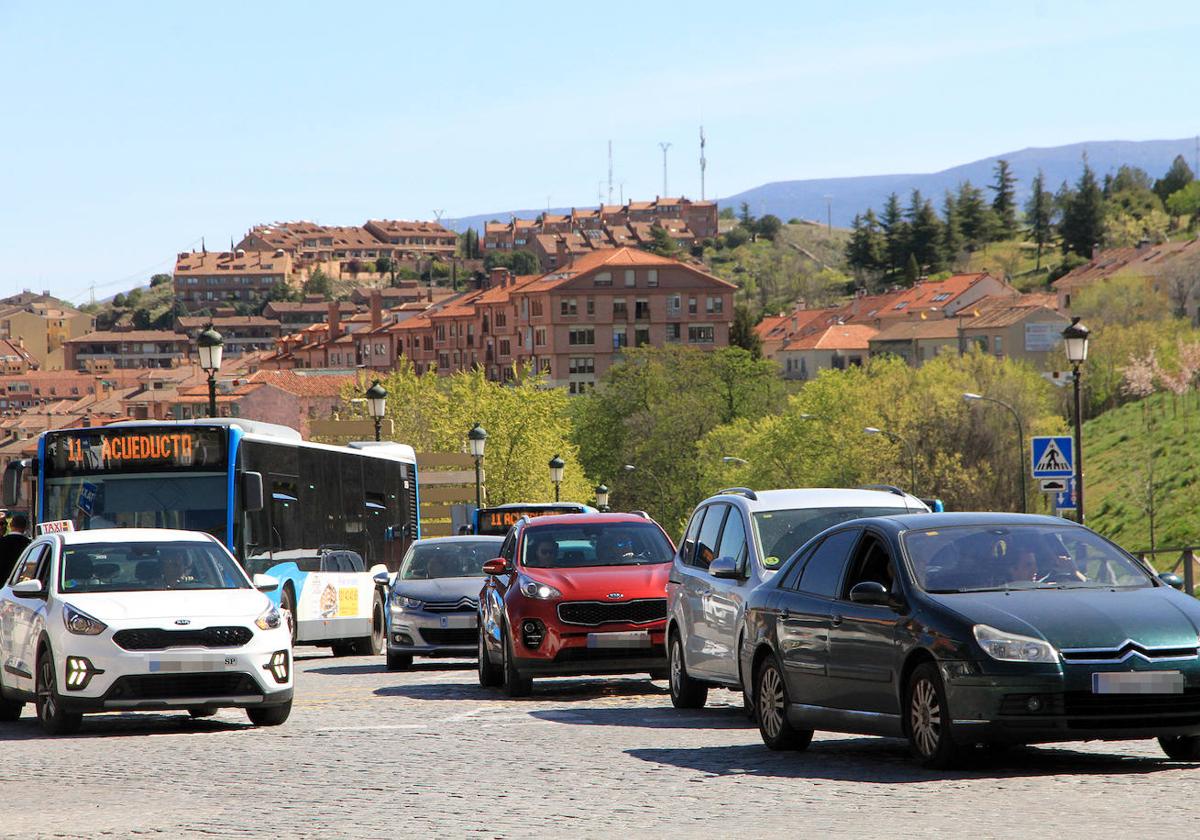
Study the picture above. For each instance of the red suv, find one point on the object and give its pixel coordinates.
(583, 593)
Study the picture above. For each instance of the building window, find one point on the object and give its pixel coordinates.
(619, 338)
(501, 319)
(700, 334)
(714, 305)
(997, 345)
(641, 336)
(536, 308)
(441, 332)
(691, 306)
(652, 278)
(673, 332)
(582, 337)
(674, 305)
(604, 278)
(591, 306)
(630, 278)
(620, 312)
(546, 366)
(582, 364)
(539, 337)
(641, 309)
(568, 306)
(505, 347)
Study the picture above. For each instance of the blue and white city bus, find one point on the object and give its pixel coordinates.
(327, 521)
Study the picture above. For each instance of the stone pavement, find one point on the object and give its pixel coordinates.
(428, 753)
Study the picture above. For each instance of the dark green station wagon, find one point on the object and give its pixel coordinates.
(963, 629)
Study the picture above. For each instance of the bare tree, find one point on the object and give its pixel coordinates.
(1180, 279)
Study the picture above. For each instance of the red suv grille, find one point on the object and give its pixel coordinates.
(594, 613)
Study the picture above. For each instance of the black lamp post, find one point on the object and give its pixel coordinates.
(377, 404)
(602, 497)
(969, 397)
(209, 346)
(912, 453)
(1075, 341)
(556, 473)
(477, 439)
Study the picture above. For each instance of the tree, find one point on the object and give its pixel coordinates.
(742, 333)
(1186, 201)
(519, 263)
(735, 238)
(975, 217)
(924, 233)
(1039, 215)
(726, 213)
(1175, 179)
(952, 239)
(318, 283)
(912, 271)
(1180, 278)
(768, 227)
(662, 243)
(895, 233)
(118, 301)
(384, 265)
(159, 280)
(1004, 204)
(747, 220)
(1082, 225)
(866, 249)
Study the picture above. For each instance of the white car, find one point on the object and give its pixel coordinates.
(138, 619)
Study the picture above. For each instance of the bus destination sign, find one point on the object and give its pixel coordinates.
(129, 449)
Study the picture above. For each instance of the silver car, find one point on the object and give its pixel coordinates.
(433, 604)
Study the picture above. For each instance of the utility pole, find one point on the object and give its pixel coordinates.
(664, 147)
(703, 163)
(610, 172)
(829, 213)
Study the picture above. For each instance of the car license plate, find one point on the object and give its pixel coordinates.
(1138, 682)
(167, 666)
(459, 622)
(632, 639)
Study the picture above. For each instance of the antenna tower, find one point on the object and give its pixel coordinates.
(664, 147)
(610, 172)
(703, 163)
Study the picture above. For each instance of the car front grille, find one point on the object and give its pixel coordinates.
(176, 686)
(449, 636)
(595, 613)
(151, 638)
(461, 605)
(1127, 650)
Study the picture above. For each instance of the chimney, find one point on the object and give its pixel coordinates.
(498, 277)
(376, 309)
(334, 320)
(560, 250)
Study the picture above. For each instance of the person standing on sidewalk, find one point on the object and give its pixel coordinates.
(12, 544)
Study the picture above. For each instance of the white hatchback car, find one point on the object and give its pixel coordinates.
(137, 619)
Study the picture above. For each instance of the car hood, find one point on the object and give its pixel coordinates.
(441, 589)
(197, 606)
(597, 583)
(1085, 618)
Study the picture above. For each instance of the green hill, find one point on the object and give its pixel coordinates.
(1138, 448)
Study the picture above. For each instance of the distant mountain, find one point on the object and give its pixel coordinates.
(806, 199)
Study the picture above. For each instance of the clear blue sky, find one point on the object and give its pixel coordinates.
(130, 130)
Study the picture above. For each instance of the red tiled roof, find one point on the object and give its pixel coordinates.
(835, 337)
(304, 383)
(1133, 261)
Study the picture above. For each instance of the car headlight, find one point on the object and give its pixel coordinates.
(1013, 647)
(531, 588)
(81, 623)
(269, 620)
(403, 602)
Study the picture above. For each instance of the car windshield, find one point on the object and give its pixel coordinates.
(434, 560)
(595, 544)
(781, 532)
(148, 567)
(982, 558)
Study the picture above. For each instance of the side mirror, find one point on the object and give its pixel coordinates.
(1172, 580)
(724, 567)
(252, 491)
(498, 566)
(13, 475)
(31, 588)
(266, 583)
(871, 592)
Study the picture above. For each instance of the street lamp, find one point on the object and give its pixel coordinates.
(969, 397)
(377, 405)
(556, 473)
(1075, 340)
(602, 497)
(477, 439)
(895, 438)
(209, 347)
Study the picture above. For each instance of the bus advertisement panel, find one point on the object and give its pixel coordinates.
(324, 520)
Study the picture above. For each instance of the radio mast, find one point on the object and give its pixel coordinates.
(703, 163)
(664, 147)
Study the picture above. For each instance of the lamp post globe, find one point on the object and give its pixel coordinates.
(476, 440)
(377, 405)
(1075, 343)
(209, 347)
(556, 474)
(602, 497)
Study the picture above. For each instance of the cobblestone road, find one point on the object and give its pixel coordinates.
(428, 753)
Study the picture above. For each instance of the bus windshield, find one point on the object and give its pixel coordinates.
(188, 501)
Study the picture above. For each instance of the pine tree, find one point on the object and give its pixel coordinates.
(1004, 204)
(1039, 215)
(925, 234)
(975, 218)
(1082, 224)
(865, 249)
(912, 271)
(895, 233)
(1177, 177)
(952, 240)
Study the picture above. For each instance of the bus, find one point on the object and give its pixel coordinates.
(328, 522)
(495, 521)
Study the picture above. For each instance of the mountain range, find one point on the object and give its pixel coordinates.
(806, 199)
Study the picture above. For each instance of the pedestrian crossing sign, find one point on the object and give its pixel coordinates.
(1053, 456)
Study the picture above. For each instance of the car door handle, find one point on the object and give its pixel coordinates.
(836, 620)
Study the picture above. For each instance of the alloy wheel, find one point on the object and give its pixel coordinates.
(676, 667)
(47, 705)
(770, 702)
(926, 717)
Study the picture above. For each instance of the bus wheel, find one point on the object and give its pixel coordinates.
(374, 644)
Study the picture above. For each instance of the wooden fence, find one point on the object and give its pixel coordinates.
(444, 479)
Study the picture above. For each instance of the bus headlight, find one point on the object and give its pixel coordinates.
(269, 620)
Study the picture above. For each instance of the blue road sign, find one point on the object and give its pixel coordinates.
(1065, 499)
(1053, 456)
(87, 497)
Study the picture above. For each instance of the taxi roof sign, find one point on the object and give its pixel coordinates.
(55, 527)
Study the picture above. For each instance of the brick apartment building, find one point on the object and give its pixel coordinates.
(242, 333)
(40, 324)
(123, 350)
(207, 279)
(308, 243)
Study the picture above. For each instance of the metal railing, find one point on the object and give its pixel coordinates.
(1186, 558)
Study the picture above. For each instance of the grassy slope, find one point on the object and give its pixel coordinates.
(1117, 446)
